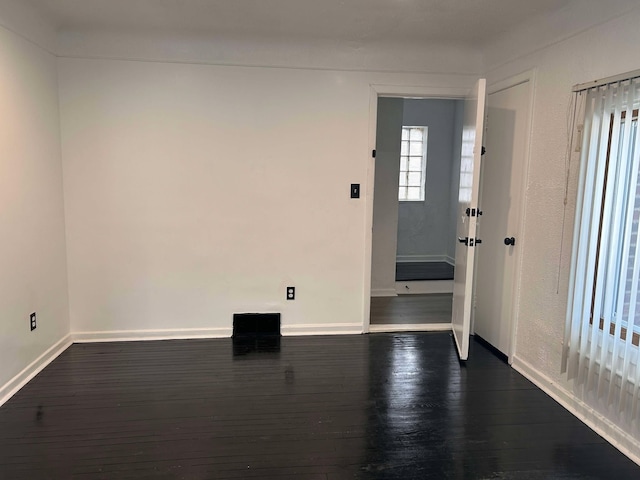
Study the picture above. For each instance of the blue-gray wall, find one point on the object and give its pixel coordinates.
(385, 200)
(426, 230)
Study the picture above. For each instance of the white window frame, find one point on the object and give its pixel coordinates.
(403, 190)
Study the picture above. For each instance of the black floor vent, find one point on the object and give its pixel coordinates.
(256, 333)
(256, 324)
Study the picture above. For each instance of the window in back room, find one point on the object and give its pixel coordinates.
(413, 164)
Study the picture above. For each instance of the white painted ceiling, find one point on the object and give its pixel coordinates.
(460, 22)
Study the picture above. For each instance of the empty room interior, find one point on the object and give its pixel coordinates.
(378, 239)
(418, 149)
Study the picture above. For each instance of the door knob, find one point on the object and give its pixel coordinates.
(509, 241)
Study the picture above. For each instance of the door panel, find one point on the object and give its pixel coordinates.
(500, 200)
(467, 198)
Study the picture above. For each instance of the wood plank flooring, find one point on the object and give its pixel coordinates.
(411, 309)
(383, 406)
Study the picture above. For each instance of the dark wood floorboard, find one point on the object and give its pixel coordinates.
(409, 309)
(380, 406)
(408, 271)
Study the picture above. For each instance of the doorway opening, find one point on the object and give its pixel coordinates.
(467, 205)
(415, 208)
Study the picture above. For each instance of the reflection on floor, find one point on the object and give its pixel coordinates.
(359, 407)
(411, 309)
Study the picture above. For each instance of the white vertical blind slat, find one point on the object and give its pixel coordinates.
(581, 100)
(625, 179)
(591, 133)
(575, 278)
(591, 218)
(617, 187)
(597, 356)
(599, 238)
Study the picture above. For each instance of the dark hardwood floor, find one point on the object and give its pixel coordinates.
(409, 271)
(411, 309)
(380, 406)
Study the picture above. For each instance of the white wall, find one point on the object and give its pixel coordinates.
(607, 49)
(32, 241)
(385, 201)
(195, 191)
(424, 228)
(222, 49)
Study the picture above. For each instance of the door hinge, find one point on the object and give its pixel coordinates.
(472, 212)
(373, 153)
(483, 151)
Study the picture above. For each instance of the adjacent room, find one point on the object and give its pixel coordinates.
(202, 201)
(418, 147)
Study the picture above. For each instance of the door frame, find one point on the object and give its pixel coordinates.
(400, 91)
(495, 87)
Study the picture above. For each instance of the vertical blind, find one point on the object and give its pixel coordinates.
(600, 352)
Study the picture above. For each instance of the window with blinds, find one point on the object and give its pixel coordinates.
(603, 315)
(413, 164)
(620, 301)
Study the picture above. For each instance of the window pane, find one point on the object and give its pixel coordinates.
(416, 134)
(415, 179)
(412, 168)
(403, 179)
(413, 193)
(415, 164)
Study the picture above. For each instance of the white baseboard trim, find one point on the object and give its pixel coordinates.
(613, 434)
(383, 292)
(193, 333)
(141, 335)
(423, 286)
(322, 329)
(420, 258)
(12, 387)
(411, 327)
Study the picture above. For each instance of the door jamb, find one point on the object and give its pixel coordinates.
(527, 76)
(376, 91)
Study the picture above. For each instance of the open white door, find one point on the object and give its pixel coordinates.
(467, 215)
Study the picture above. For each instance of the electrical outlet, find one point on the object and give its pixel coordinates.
(291, 293)
(32, 321)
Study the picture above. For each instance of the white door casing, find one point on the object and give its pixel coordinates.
(470, 161)
(450, 87)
